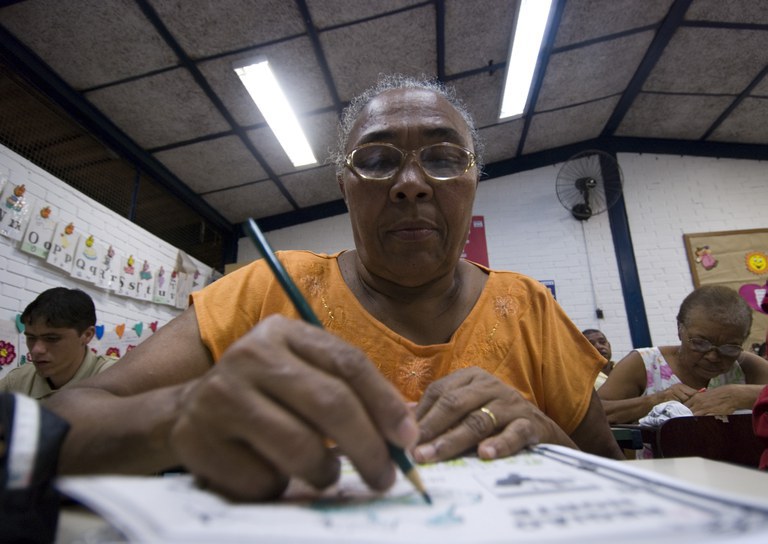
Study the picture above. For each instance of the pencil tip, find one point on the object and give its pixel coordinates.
(426, 496)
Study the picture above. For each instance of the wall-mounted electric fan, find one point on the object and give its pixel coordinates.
(589, 183)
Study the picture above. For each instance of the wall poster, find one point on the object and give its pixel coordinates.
(476, 249)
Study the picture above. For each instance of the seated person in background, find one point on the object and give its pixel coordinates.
(708, 372)
(58, 325)
(245, 395)
(601, 344)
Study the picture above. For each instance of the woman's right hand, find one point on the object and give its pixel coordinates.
(679, 392)
(265, 412)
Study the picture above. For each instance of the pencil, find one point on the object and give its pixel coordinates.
(399, 456)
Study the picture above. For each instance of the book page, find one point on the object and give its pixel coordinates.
(550, 494)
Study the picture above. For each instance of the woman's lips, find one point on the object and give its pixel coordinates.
(413, 231)
(413, 234)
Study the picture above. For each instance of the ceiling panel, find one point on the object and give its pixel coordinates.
(696, 61)
(160, 109)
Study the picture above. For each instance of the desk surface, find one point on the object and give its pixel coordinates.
(717, 475)
(77, 525)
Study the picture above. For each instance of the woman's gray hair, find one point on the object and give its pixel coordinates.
(397, 81)
(722, 304)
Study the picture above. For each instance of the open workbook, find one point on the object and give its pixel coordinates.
(548, 494)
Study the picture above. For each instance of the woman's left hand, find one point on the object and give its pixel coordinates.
(719, 401)
(472, 409)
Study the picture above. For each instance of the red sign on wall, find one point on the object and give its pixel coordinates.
(476, 249)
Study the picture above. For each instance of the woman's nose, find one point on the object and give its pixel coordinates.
(411, 183)
(713, 355)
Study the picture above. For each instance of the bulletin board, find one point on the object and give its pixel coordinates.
(737, 259)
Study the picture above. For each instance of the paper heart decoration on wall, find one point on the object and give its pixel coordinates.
(138, 327)
(120, 329)
(753, 294)
(99, 331)
(19, 324)
(153, 326)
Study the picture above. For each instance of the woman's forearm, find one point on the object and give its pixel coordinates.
(747, 395)
(628, 410)
(108, 433)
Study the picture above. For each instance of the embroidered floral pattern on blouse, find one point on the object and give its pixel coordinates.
(413, 375)
(482, 349)
(504, 306)
(315, 287)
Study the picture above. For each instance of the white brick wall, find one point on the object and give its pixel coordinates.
(529, 231)
(23, 276)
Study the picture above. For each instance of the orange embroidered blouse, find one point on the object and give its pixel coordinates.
(516, 331)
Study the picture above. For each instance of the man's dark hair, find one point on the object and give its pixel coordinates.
(62, 308)
(591, 331)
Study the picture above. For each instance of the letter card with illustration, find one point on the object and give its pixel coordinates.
(108, 274)
(165, 287)
(87, 256)
(15, 205)
(38, 238)
(128, 278)
(145, 285)
(183, 284)
(62, 253)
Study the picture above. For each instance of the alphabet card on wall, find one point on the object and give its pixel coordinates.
(189, 283)
(183, 285)
(62, 253)
(165, 287)
(108, 274)
(128, 278)
(14, 210)
(87, 257)
(38, 237)
(145, 286)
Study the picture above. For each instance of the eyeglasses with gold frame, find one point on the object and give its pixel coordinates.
(382, 161)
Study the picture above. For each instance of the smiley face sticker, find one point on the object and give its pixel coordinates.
(757, 262)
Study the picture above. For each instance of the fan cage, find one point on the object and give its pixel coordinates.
(589, 183)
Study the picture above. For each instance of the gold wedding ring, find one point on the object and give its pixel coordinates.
(491, 415)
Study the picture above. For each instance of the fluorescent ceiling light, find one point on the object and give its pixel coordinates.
(265, 91)
(529, 33)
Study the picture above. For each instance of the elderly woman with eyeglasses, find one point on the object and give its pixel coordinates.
(245, 395)
(708, 372)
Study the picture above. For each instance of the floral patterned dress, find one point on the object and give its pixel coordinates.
(660, 377)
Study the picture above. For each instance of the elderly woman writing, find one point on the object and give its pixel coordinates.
(708, 372)
(245, 395)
